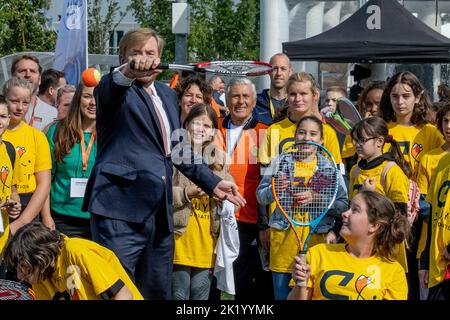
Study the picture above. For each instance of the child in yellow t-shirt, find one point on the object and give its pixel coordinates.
(283, 242)
(9, 198)
(196, 220)
(407, 110)
(385, 173)
(33, 153)
(369, 136)
(62, 268)
(425, 171)
(434, 268)
(364, 268)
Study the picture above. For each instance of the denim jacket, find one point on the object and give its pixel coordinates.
(278, 221)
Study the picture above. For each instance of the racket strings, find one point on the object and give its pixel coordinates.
(11, 290)
(238, 67)
(305, 183)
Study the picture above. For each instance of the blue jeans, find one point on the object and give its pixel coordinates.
(281, 287)
(190, 283)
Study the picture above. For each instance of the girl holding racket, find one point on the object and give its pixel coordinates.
(196, 220)
(362, 268)
(405, 106)
(284, 241)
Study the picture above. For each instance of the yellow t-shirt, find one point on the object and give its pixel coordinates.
(396, 189)
(423, 175)
(396, 185)
(281, 135)
(414, 141)
(33, 153)
(195, 247)
(439, 197)
(283, 244)
(84, 270)
(9, 177)
(348, 149)
(337, 275)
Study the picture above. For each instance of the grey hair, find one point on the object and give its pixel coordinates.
(240, 81)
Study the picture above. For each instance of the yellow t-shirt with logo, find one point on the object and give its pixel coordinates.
(337, 275)
(414, 140)
(281, 135)
(33, 153)
(396, 189)
(9, 177)
(423, 175)
(283, 243)
(396, 185)
(84, 270)
(439, 197)
(195, 247)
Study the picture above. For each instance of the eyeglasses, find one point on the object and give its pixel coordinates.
(362, 141)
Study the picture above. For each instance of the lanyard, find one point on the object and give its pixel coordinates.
(32, 114)
(85, 153)
(271, 107)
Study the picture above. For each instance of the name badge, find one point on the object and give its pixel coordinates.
(77, 187)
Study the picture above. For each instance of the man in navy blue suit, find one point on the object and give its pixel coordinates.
(129, 193)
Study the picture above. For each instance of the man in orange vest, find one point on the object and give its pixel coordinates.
(242, 135)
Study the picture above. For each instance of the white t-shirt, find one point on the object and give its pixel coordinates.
(233, 135)
(42, 114)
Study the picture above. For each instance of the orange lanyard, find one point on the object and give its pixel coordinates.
(85, 153)
(32, 114)
(271, 107)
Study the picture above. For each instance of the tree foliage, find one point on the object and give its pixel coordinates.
(101, 24)
(23, 26)
(219, 29)
(156, 14)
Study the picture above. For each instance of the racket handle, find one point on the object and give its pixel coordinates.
(162, 66)
(302, 256)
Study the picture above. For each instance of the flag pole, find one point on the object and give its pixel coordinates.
(87, 34)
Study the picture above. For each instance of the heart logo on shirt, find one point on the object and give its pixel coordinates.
(360, 283)
(416, 150)
(20, 151)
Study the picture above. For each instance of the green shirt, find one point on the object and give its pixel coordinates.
(62, 173)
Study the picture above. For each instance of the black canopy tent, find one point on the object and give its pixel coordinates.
(389, 33)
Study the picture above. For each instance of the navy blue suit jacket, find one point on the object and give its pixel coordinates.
(132, 178)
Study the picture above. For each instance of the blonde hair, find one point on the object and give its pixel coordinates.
(138, 37)
(304, 77)
(17, 82)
